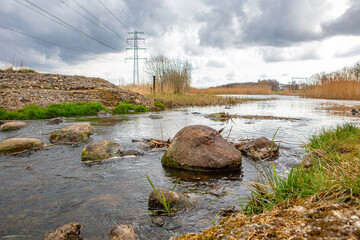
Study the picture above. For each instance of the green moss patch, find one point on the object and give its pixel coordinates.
(53, 110)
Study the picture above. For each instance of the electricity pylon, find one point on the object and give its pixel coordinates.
(136, 57)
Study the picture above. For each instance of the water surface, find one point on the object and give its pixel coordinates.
(58, 188)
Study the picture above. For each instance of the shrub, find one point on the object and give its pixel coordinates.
(125, 106)
(159, 105)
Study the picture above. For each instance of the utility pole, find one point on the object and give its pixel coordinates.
(136, 58)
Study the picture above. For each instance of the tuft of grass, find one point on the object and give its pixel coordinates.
(53, 110)
(334, 178)
(21, 70)
(162, 198)
(159, 105)
(125, 106)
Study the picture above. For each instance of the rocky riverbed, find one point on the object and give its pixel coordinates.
(18, 90)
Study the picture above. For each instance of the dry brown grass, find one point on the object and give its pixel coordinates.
(146, 89)
(349, 90)
(261, 90)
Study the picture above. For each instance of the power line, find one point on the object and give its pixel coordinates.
(136, 54)
(97, 19)
(113, 15)
(91, 21)
(63, 23)
(52, 43)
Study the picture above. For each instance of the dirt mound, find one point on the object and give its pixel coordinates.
(18, 90)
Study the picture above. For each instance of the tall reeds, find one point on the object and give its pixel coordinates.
(340, 89)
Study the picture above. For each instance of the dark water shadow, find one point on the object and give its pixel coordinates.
(197, 176)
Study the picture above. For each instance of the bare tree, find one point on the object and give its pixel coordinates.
(173, 74)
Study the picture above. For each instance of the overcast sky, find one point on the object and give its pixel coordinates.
(226, 41)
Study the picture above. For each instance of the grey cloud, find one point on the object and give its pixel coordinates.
(346, 24)
(217, 22)
(215, 64)
(20, 18)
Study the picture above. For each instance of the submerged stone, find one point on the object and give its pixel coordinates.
(79, 132)
(201, 148)
(55, 121)
(70, 231)
(123, 232)
(101, 150)
(316, 154)
(260, 149)
(178, 201)
(14, 145)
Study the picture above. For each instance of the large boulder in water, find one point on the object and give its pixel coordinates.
(101, 150)
(79, 132)
(201, 148)
(11, 126)
(70, 231)
(14, 145)
(260, 149)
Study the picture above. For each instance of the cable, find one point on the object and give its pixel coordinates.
(63, 23)
(52, 43)
(113, 15)
(91, 21)
(82, 7)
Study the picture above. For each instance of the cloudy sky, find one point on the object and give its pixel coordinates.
(226, 41)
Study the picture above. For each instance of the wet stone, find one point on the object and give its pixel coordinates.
(12, 126)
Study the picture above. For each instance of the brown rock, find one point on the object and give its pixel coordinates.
(201, 148)
(178, 201)
(11, 126)
(101, 150)
(14, 145)
(123, 232)
(260, 148)
(70, 231)
(308, 160)
(79, 132)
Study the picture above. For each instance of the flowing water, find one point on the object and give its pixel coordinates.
(58, 188)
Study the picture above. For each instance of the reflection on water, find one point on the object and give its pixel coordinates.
(58, 188)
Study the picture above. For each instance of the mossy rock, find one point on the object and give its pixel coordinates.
(79, 132)
(12, 126)
(101, 150)
(14, 145)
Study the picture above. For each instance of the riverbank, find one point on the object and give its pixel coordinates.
(318, 199)
(18, 89)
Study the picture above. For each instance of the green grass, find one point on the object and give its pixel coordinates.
(162, 198)
(53, 110)
(159, 105)
(332, 178)
(125, 106)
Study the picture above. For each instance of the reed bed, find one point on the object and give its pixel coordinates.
(349, 90)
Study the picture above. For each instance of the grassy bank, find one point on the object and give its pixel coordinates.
(289, 203)
(183, 100)
(53, 110)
